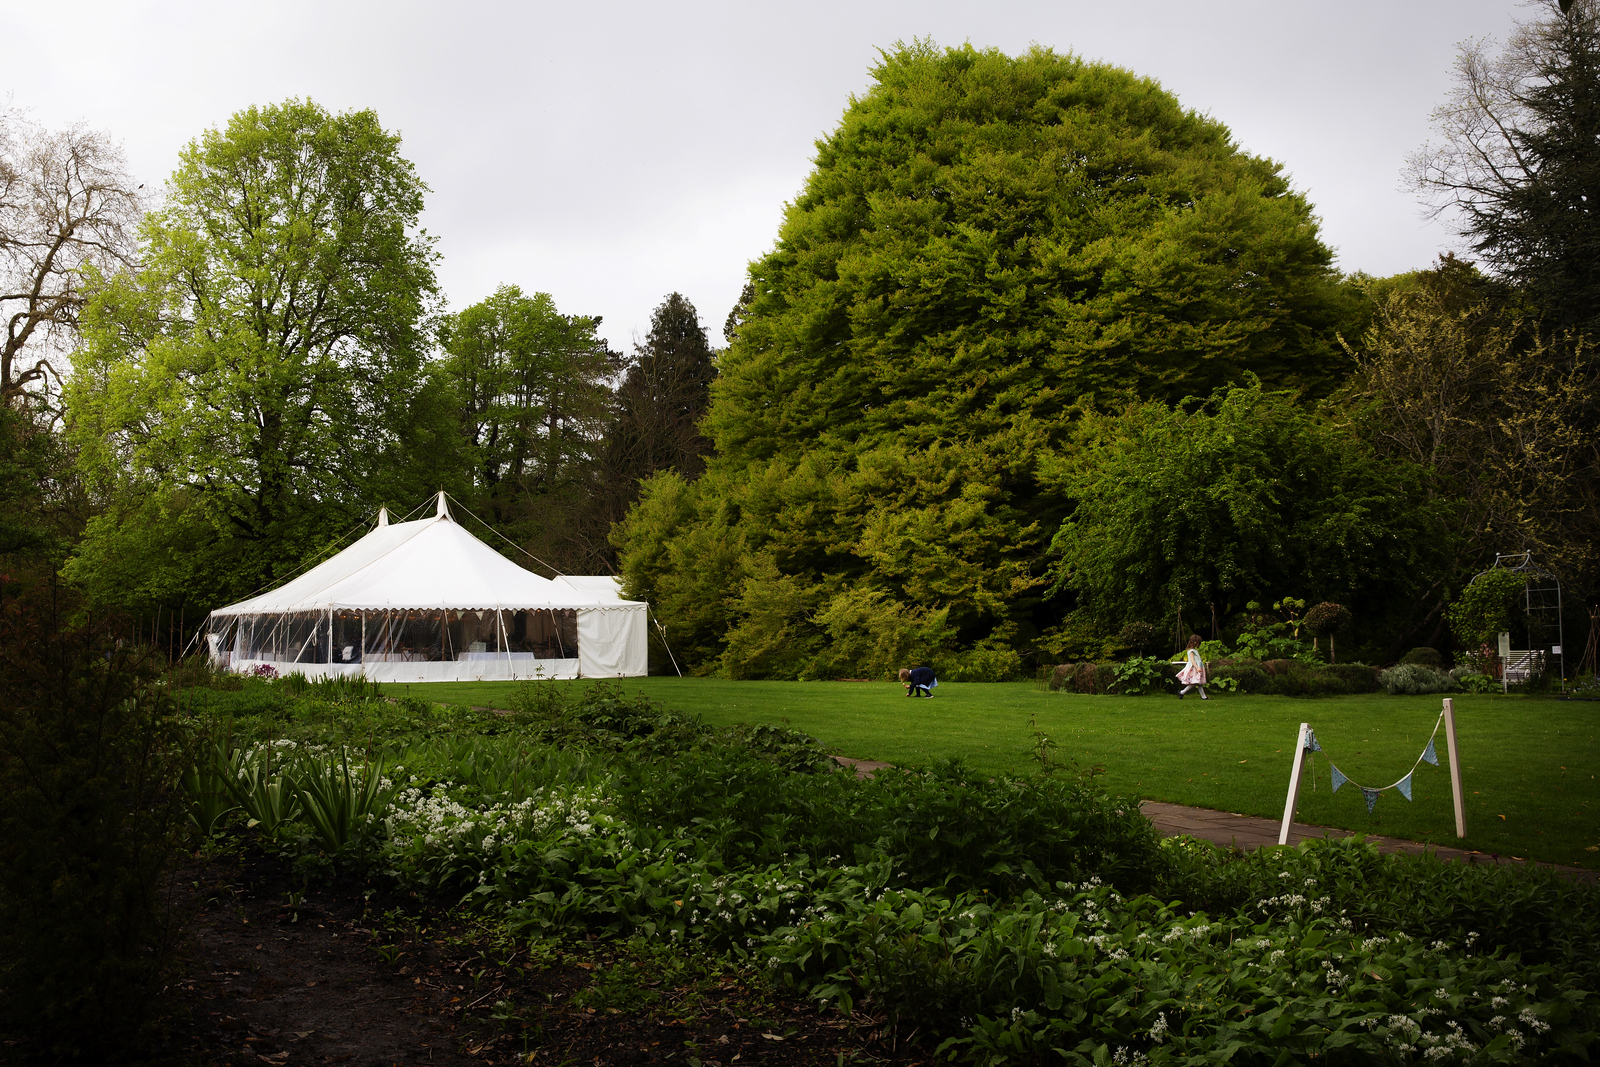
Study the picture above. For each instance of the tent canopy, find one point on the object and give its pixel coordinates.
(361, 611)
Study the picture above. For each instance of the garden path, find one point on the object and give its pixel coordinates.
(1251, 831)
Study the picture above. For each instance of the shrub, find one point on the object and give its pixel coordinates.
(90, 822)
(1138, 675)
(1084, 678)
(1415, 678)
(1105, 678)
(1246, 677)
(1062, 677)
(1357, 677)
(979, 665)
(1428, 657)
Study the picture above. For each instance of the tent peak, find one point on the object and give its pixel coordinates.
(444, 509)
(383, 516)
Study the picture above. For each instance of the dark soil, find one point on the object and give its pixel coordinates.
(355, 973)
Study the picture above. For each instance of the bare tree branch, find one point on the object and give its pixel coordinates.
(66, 204)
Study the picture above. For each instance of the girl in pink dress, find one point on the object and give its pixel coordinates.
(1193, 675)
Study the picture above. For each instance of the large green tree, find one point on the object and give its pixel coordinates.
(984, 240)
(1200, 508)
(533, 385)
(258, 382)
(662, 398)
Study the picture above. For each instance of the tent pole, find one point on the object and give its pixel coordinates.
(505, 645)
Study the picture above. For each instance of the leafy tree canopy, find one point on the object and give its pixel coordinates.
(259, 381)
(1248, 496)
(984, 240)
(532, 385)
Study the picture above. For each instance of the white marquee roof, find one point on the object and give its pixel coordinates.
(429, 563)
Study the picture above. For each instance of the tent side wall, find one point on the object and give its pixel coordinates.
(613, 641)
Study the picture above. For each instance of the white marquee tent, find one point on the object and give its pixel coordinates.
(425, 601)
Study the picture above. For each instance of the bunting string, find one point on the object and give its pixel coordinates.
(1370, 793)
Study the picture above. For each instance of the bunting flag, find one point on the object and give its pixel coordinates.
(1429, 754)
(1404, 785)
(1312, 745)
(1372, 798)
(1338, 777)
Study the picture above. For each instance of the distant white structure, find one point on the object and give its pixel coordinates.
(425, 601)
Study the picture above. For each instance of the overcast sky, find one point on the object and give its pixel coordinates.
(610, 153)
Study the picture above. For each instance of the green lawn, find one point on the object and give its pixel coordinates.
(1528, 765)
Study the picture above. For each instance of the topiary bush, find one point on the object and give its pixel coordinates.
(1412, 679)
(1428, 657)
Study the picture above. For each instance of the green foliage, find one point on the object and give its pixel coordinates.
(983, 241)
(1356, 677)
(30, 459)
(662, 398)
(1414, 678)
(337, 804)
(1139, 675)
(90, 826)
(1006, 917)
(1327, 618)
(1137, 636)
(1267, 637)
(1246, 678)
(1486, 607)
(1428, 657)
(259, 381)
(1459, 376)
(532, 386)
(1246, 493)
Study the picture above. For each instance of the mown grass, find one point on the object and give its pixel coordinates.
(1529, 765)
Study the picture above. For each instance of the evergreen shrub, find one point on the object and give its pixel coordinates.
(1428, 657)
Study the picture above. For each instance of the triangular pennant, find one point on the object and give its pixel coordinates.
(1429, 755)
(1338, 777)
(1372, 798)
(1404, 785)
(1311, 741)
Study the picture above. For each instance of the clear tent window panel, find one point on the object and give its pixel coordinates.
(547, 633)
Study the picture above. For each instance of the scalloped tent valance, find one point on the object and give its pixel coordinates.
(427, 601)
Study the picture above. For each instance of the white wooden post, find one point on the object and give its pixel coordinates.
(1294, 783)
(1503, 649)
(1455, 766)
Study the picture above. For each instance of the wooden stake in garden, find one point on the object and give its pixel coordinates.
(1294, 782)
(1455, 766)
